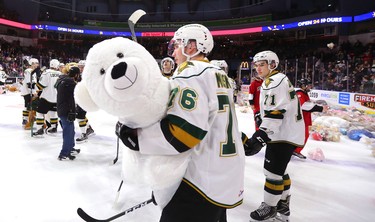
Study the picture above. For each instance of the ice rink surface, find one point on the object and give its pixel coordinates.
(36, 187)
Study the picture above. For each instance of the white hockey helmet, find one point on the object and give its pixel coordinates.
(33, 61)
(197, 32)
(220, 63)
(167, 59)
(268, 56)
(54, 63)
(81, 62)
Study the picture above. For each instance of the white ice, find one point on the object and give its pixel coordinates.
(36, 187)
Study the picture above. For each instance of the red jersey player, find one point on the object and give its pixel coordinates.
(307, 108)
(254, 92)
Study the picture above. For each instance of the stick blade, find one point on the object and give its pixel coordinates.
(136, 16)
(86, 217)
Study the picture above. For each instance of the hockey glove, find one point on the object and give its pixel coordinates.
(71, 117)
(258, 119)
(127, 135)
(253, 145)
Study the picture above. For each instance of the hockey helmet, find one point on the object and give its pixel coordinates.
(81, 62)
(169, 60)
(54, 63)
(268, 56)
(220, 63)
(33, 61)
(303, 82)
(197, 32)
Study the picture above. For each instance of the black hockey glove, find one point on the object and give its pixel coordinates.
(257, 119)
(71, 117)
(128, 136)
(253, 145)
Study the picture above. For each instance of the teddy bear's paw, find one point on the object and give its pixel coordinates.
(83, 98)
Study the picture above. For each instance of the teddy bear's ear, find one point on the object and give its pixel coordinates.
(83, 98)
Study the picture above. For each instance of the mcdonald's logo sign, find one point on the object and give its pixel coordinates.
(245, 65)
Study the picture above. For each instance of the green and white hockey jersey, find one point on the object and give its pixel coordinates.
(201, 117)
(280, 110)
(46, 83)
(28, 83)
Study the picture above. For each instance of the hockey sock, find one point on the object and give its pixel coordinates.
(287, 183)
(82, 125)
(25, 114)
(39, 120)
(53, 118)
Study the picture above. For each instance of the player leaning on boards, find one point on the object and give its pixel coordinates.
(281, 131)
(200, 117)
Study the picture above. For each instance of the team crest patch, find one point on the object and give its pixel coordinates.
(184, 65)
(268, 81)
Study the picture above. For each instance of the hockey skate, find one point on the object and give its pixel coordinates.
(283, 211)
(264, 213)
(299, 155)
(69, 157)
(39, 133)
(89, 131)
(75, 152)
(82, 139)
(51, 130)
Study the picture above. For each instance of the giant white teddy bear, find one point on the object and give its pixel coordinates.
(122, 78)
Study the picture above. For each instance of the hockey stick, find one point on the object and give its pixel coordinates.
(118, 141)
(133, 19)
(31, 120)
(118, 193)
(88, 218)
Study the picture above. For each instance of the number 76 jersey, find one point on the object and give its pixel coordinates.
(281, 112)
(201, 119)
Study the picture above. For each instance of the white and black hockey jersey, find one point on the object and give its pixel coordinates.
(201, 117)
(3, 76)
(280, 110)
(46, 83)
(28, 83)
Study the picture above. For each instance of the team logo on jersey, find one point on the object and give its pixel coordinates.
(184, 65)
(268, 81)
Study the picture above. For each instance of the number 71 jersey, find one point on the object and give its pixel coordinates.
(281, 112)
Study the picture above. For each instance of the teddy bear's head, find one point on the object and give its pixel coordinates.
(122, 78)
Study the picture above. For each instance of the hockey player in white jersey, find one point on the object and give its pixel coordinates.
(281, 131)
(167, 67)
(200, 119)
(224, 66)
(28, 89)
(47, 98)
(3, 78)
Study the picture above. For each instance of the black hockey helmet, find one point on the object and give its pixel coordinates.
(303, 82)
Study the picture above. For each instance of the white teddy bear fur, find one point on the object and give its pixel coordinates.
(122, 78)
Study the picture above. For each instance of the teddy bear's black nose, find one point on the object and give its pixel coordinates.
(119, 70)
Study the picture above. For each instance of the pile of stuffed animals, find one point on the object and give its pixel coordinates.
(353, 123)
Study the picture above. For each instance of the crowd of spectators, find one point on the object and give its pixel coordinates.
(345, 67)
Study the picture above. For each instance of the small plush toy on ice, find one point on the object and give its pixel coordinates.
(122, 78)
